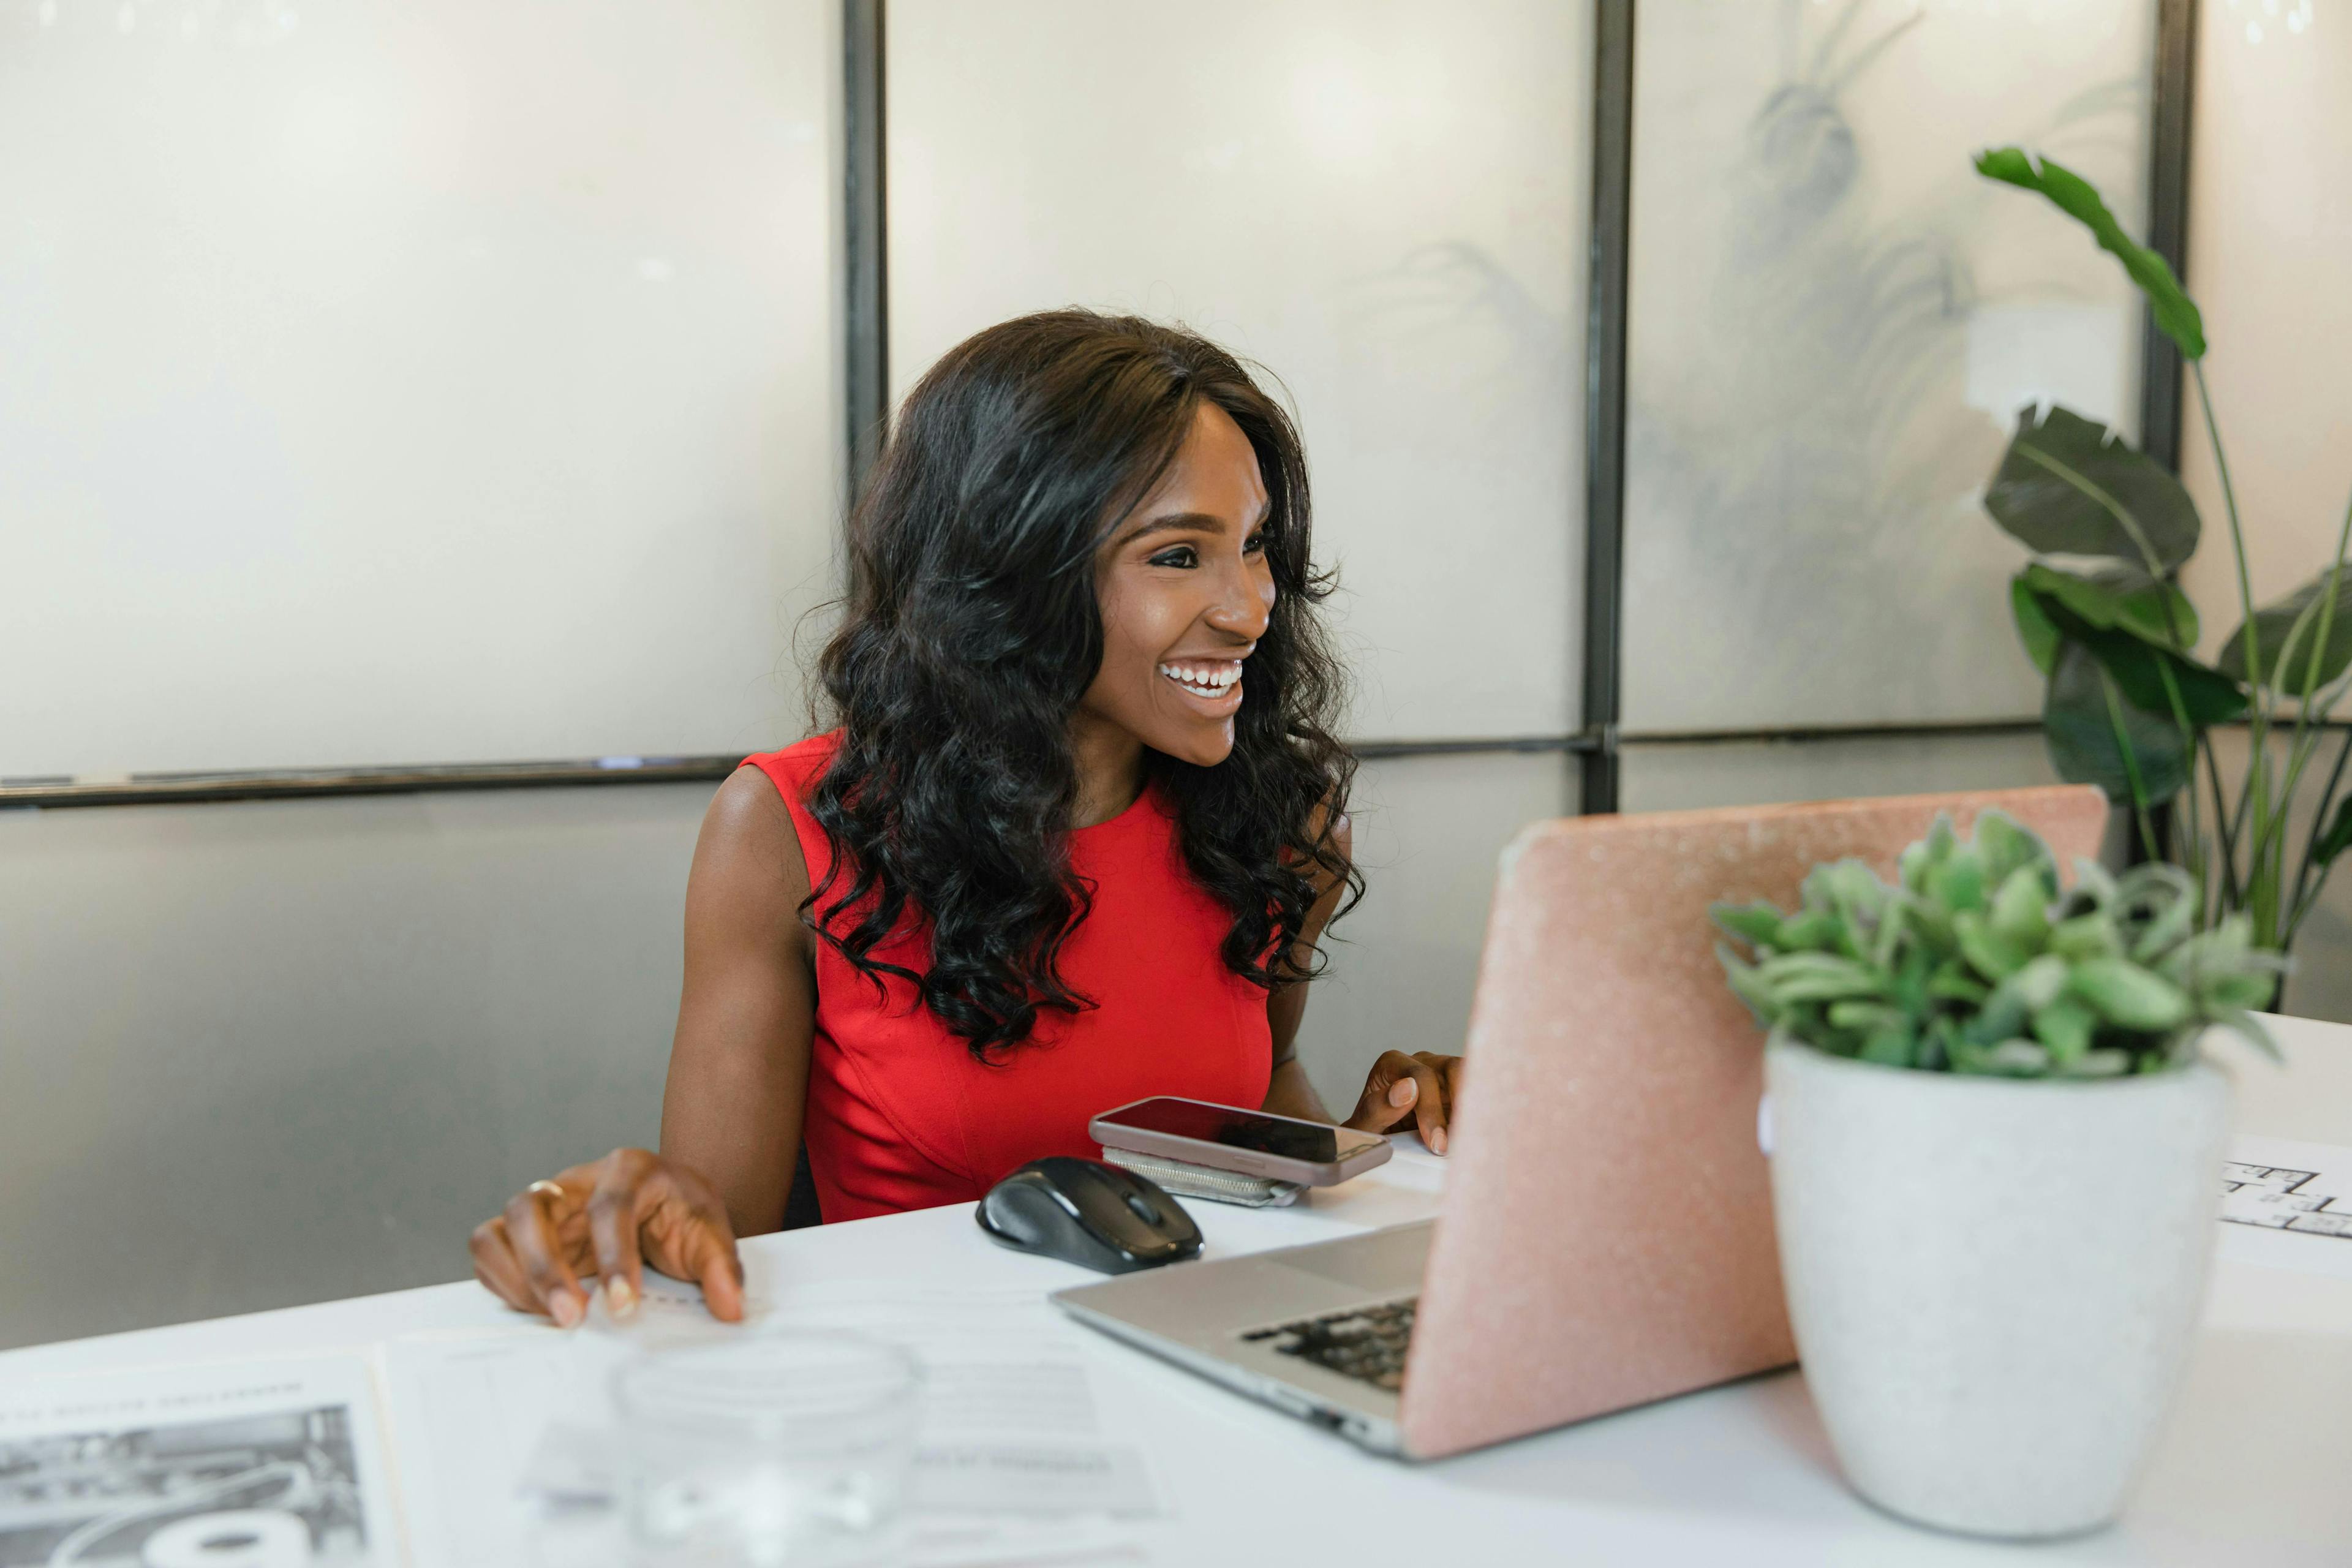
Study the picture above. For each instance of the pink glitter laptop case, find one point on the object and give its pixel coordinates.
(1606, 1234)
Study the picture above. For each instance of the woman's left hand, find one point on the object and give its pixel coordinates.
(1420, 1088)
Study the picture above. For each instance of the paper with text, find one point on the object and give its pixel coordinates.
(173, 1467)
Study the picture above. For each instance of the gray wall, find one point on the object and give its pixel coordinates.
(1427, 832)
(260, 1054)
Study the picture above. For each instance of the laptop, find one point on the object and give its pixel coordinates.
(1605, 1236)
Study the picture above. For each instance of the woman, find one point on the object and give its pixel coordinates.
(1073, 843)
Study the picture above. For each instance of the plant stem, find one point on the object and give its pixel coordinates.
(2304, 698)
(2226, 839)
(2311, 842)
(2189, 741)
(2263, 892)
(2237, 533)
(2305, 741)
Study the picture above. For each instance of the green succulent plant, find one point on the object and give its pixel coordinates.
(1978, 963)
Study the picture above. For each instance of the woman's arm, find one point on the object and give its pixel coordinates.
(730, 1118)
(739, 1065)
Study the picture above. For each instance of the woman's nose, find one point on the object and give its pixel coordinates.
(1243, 609)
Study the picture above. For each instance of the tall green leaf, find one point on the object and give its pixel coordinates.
(2286, 665)
(2123, 598)
(2139, 668)
(2069, 485)
(2080, 727)
(2034, 627)
(2176, 313)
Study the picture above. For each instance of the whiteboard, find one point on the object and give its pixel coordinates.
(393, 381)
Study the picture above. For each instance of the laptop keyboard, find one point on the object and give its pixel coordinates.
(1364, 1342)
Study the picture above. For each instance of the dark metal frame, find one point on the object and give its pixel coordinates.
(1610, 246)
(301, 784)
(1598, 743)
(864, 214)
(2168, 220)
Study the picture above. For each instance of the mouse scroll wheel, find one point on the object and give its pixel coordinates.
(1143, 1209)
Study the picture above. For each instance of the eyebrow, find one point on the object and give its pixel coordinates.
(1186, 521)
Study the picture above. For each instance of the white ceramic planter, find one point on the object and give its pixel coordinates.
(1994, 1282)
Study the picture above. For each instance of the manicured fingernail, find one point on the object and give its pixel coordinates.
(1400, 1093)
(621, 1297)
(1437, 1140)
(565, 1306)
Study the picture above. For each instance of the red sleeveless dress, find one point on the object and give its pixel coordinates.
(899, 1115)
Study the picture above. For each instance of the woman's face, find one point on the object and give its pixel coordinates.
(1185, 591)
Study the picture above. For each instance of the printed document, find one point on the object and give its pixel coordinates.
(2287, 1205)
(263, 1464)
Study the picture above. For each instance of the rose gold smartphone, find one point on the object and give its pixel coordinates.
(1225, 1138)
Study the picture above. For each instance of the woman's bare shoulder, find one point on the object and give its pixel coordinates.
(749, 857)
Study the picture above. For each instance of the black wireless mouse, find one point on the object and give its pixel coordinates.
(1099, 1216)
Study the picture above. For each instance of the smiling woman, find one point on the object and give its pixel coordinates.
(1072, 843)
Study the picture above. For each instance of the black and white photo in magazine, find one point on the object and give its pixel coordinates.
(232, 1464)
(252, 1489)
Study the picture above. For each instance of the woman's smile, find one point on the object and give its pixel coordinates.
(1214, 685)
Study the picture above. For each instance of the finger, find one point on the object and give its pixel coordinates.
(687, 1236)
(612, 1213)
(1389, 1094)
(1429, 1107)
(531, 1230)
(501, 1272)
(712, 1261)
(1447, 1069)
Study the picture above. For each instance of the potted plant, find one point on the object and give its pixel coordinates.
(1996, 1157)
(2129, 706)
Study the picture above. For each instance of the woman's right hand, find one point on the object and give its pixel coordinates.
(602, 1222)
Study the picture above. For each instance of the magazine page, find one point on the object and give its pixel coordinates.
(254, 1464)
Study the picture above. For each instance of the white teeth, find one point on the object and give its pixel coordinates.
(1204, 680)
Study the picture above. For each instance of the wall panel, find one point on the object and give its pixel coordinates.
(1833, 322)
(1383, 204)
(263, 1054)
(438, 381)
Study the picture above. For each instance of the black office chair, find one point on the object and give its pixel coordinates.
(800, 1205)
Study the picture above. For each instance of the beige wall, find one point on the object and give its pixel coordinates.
(2270, 241)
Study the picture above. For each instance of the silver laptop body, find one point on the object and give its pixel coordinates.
(1607, 1236)
(1240, 1320)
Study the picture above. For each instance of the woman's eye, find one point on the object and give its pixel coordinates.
(1254, 545)
(1181, 555)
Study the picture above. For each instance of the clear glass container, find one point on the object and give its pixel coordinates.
(786, 1450)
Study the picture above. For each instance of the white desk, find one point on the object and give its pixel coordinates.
(2256, 1467)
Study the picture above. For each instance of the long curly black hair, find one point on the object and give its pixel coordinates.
(971, 630)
